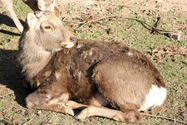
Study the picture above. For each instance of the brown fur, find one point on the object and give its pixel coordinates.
(91, 73)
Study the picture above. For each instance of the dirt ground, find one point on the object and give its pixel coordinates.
(134, 6)
(147, 8)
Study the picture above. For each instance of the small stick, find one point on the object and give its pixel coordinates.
(164, 118)
(51, 118)
(27, 121)
(7, 121)
(156, 29)
(174, 53)
(158, 23)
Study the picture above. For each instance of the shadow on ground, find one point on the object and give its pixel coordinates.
(4, 19)
(10, 75)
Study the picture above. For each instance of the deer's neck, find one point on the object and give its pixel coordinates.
(32, 59)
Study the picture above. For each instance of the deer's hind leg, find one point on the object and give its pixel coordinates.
(90, 110)
(129, 110)
(119, 88)
(130, 115)
(103, 112)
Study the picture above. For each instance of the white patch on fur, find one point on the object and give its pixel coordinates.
(155, 97)
(79, 46)
(130, 53)
(38, 83)
(91, 53)
(69, 45)
(58, 75)
(48, 96)
(57, 49)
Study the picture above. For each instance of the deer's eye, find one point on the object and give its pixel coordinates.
(47, 27)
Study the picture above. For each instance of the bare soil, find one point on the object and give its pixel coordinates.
(134, 7)
(94, 9)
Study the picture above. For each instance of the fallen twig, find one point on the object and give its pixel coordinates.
(158, 23)
(154, 28)
(164, 118)
(7, 121)
(51, 118)
(172, 53)
(27, 121)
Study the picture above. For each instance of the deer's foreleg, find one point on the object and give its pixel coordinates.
(37, 100)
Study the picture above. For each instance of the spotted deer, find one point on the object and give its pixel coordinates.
(100, 78)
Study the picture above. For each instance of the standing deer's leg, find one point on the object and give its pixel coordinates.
(9, 6)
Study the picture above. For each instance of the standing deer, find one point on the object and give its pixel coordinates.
(35, 5)
(105, 79)
(9, 6)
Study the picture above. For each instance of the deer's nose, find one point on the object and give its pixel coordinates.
(73, 40)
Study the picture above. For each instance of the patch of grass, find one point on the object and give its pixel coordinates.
(181, 19)
(21, 8)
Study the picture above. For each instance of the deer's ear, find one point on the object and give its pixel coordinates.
(42, 5)
(31, 20)
(57, 11)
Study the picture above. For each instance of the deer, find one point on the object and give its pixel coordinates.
(35, 5)
(100, 78)
(9, 6)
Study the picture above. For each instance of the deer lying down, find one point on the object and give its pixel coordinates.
(105, 79)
